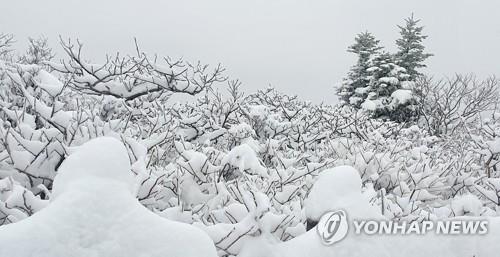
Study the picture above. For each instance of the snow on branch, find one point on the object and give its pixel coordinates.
(129, 77)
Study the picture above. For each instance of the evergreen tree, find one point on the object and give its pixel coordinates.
(411, 52)
(389, 93)
(365, 46)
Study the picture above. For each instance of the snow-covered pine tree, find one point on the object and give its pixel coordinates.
(389, 93)
(411, 52)
(365, 46)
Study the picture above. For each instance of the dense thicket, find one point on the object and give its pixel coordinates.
(241, 165)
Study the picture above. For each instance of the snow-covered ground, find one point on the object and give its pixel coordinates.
(94, 213)
(340, 189)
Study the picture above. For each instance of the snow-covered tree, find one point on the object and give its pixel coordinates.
(365, 46)
(411, 51)
(388, 94)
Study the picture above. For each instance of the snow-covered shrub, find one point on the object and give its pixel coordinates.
(17, 202)
(93, 211)
(45, 112)
(449, 105)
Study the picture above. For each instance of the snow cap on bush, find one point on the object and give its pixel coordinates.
(100, 158)
(337, 189)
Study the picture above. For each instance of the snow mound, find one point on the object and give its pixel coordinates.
(95, 214)
(466, 205)
(245, 159)
(102, 158)
(338, 189)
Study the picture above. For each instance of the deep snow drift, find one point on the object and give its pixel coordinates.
(93, 213)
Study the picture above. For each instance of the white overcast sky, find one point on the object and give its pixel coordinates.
(297, 46)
